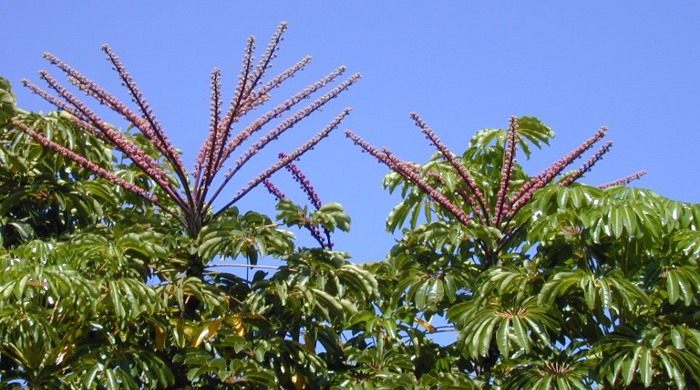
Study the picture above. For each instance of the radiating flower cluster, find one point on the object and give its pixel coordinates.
(192, 196)
(496, 210)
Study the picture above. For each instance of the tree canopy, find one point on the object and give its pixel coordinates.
(113, 253)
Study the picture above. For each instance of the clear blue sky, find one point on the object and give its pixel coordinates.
(463, 65)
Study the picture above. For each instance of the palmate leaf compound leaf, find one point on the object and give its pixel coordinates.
(553, 369)
(609, 291)
(513, 327)
(531, 132)
(641, 354)
(682, 282)
(250, 234)
(332, 216)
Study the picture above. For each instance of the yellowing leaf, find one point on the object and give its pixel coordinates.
(428, 327)
(298, 381)
(214, 327)
(237, 323)
(160, 338)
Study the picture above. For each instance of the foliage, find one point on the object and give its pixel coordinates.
(544, 282)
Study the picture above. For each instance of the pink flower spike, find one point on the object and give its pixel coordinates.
(525, 193)
(453, 160)
(305, 184)
(586, 167)
(506, 170)
(291, 157)
(87, 164)
(624, 181)
(271, 188)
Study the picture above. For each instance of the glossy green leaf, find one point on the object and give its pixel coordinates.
(503, 337)
(646, 367)
(678, 339)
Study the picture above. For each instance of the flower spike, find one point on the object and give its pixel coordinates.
(624, 181)
(525, 193)
(506, 170)
(587, 166)
(454, 161)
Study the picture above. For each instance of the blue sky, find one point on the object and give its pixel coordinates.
(463, 65)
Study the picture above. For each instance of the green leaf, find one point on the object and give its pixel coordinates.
(112, 382)
(390, 328)
(685, 287)
(485, 137)
(616, 221)
(503, 337)
(435, 292)
(332, 216)
(398, 215)
(450, 288)
(589, 291)
(421, 294)
(672, 287)
(533, 130)
(677, 338)
(646, 367)
(19, 287)
(629, 367)
(537, 329)
(521, 335)
(484, 335)
(629, 219)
